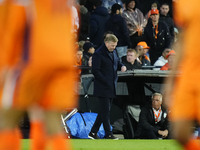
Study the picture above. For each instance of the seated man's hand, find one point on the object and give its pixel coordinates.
(123, 69)
(163, 133)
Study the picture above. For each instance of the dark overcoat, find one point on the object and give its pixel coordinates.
(104, 69)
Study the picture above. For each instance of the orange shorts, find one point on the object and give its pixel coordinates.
(52, 89)
(186, 97)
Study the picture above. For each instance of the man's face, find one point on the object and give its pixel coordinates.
(131, 5)
(165, 53)
(140, 50)
(164, 9)
(171, 60)
(91, 50)
(131, 56)
(145, 51)
(155, 17)
(156, 102)
(111, 45)
(79, 55)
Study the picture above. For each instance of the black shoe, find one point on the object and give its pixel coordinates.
(93, 136)
(112, 137)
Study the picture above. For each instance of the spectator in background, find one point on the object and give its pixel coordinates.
(153, 6)
(170, 57)
(97, 23)
(84, 21)
(130, 62)
(135, 21)
(142, 49)
(75, 18)
(162, 60)
(153, 120)
(88, 48)
(164, 17)
(118, 26)
(176, 37)
(109, 3)
(145, 5)
(80, 44)
(157, 36)
(78, 62)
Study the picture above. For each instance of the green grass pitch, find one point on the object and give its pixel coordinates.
(86, 144)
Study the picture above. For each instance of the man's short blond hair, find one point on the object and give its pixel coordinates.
(130, 50)
(157, 94)
(111, 38)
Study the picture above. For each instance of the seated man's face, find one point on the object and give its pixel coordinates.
(145, 51)
(131, 56)
(140, 50)
(156, 102)
(165, 53)
(171, 60)
(79, 56)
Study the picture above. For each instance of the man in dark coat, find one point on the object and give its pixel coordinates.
(157, 36)
(153, 120)
(105, 64)
(118, 26)
(97, 23)
(164, 17)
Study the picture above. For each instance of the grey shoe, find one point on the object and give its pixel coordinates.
(93, 136)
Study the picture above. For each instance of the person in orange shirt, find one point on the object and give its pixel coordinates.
(182, 91)
(39, 47)
(170, 57)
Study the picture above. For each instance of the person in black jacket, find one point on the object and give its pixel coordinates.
(88, 48)
(105, 64)
(118, 26)
(157, 36)
(153, 120)
(98, 19)
(84, 21)
(164, 17)
(130, 62)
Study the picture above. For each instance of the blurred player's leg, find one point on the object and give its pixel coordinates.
(9, 134)
(182, 131)
(56, 137)
(37, 129)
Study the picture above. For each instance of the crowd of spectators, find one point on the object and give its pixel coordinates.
(144, 28)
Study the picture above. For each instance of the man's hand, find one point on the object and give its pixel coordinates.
(163, 133)
(123, 69)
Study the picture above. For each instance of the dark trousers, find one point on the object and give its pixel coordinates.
(103, 116)
(149, 134)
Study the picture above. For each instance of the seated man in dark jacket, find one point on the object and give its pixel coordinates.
(130, 62)
(153, 120)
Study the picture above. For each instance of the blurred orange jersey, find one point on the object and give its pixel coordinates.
(45, 51)
(186, 100)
